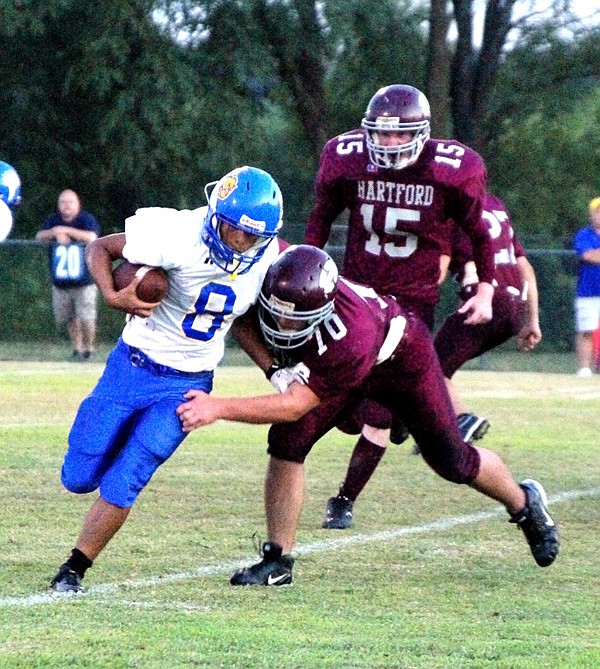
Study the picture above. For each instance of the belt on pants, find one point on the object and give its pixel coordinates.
(138, 358)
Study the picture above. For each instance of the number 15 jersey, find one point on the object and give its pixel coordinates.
(400, 220)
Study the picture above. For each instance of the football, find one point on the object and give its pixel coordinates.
(153, 286)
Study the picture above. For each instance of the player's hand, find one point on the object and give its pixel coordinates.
(200, 409)
(128, 301)
(285, 376)
(528, 338)
(61, 235)
(479, 307)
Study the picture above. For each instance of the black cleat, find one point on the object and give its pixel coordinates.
(66, 580)
(472, 427)
(338, 514)
(537, 525)
(273, 569)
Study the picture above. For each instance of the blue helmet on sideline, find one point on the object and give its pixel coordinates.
(248, 199)
(10, 185)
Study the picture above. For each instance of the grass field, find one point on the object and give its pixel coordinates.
(432, 576)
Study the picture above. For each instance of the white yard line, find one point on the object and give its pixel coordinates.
(98, 592)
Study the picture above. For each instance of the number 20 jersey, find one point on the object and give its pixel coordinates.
(187, 331)
(400, 220)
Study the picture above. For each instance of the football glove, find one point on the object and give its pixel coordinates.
(283, 377)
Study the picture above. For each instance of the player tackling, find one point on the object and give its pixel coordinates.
(351, 344)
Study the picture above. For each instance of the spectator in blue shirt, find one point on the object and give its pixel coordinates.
(74, 293)
(587, 300)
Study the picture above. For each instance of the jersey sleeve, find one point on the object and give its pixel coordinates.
(50, 222)
(330, 198)
(462, 252)
(161, 237)
(470, 192)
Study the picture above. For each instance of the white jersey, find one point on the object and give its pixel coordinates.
(187, 331)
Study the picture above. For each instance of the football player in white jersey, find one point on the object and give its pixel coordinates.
(216, 258)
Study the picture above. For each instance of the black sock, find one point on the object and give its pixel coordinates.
(363, 463)
(79, 562)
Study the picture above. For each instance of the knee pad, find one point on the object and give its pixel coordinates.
(77, 480)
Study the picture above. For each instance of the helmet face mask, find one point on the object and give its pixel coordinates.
(246, 199)
(297, 295)
(397, 109)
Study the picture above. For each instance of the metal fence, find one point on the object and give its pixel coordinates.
(26, 303)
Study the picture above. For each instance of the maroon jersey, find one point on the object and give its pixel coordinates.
(345, 348)
(400, 220)
(506, 245)
(371, 348)
(456, 342)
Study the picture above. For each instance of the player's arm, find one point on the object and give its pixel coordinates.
(444, 265)
(329, 203)
(479, 307)
(246, 331)
(469, 217)
(99, 256)
(530, 334)
(202, 409)
(591, 256)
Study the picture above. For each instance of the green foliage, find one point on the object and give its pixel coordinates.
(141, 103)
(26, 302)
(26, 299)
(375, 44)
(26, 308)
(555, 275)
(118, 113)
(542, 153)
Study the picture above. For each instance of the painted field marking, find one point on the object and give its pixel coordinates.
(100, 591)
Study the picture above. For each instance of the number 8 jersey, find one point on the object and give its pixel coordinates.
(187, 331)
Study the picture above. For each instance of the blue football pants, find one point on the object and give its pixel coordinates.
(127, 426)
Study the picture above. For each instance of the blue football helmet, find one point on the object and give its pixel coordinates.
(248, 199)
(10, 185)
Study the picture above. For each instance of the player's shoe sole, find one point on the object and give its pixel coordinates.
(472, 427)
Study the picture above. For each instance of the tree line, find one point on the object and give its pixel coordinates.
(140, 103)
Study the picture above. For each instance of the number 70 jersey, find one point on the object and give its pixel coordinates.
(187, 331)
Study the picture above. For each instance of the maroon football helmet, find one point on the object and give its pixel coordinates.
(297, 295)
(397, 109)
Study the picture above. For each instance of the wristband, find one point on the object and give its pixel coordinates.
(272, 369)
